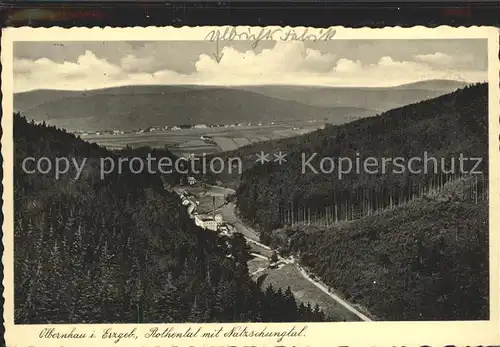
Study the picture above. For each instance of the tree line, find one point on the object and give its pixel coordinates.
(445, 127)
(362, 202)
(405, 245)
(122, 249)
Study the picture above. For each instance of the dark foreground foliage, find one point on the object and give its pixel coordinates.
(122, 250)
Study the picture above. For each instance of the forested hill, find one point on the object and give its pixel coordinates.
(425, 260)
(122, 250)
(144, 106)
(141, 107)
(443, 127)
(405, 246)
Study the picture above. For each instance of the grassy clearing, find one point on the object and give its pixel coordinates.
(241, 141)
(225, 143)
(304, 291)
(186, 141)
(260, 250)
(206, 203)
(255, 264)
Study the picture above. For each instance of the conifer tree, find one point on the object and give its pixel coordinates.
(219, 305)
(96, 251)
(196, 312)
(318, 315)
(56, 287)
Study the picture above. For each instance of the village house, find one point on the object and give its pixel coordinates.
(218, 219)
(209, 222)
(205, 222)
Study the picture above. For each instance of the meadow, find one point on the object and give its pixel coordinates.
(303, 290)
(183, 142)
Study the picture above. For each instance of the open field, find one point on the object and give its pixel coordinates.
(242, 141)
(260, 250)
(256, 264)
(225, 143)
(303, 290)
(206, 199)
(159, 139)
(186, 141)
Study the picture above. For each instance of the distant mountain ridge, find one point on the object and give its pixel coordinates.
(139, 110)
(444, 85)
(135, 107)
(375, 98)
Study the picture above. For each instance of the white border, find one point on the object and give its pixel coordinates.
(318, 334)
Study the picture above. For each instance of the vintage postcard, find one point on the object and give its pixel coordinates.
(246, 186)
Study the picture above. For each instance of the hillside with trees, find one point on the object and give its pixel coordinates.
(427, 260)
(367, 233)
(122, 249)
(125, 107)
(445, 127)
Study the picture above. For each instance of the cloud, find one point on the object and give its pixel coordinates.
(388, 71)
(43, 73)
(89, 62)
(131, 63)
(436, 58)
(439, 58)
(284, 57)
(285, 63)
(346, 65)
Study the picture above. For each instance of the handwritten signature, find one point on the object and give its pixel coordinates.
(233, 34)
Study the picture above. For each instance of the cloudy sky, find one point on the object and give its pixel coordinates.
(92, 65)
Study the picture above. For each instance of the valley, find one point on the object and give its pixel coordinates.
(128, 239)
(208, 140)
(366, 246)
(385, 240)
(306, 288)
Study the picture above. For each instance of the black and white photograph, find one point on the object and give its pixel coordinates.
(220, 180)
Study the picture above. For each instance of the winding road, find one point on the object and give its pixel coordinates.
(228, 212)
